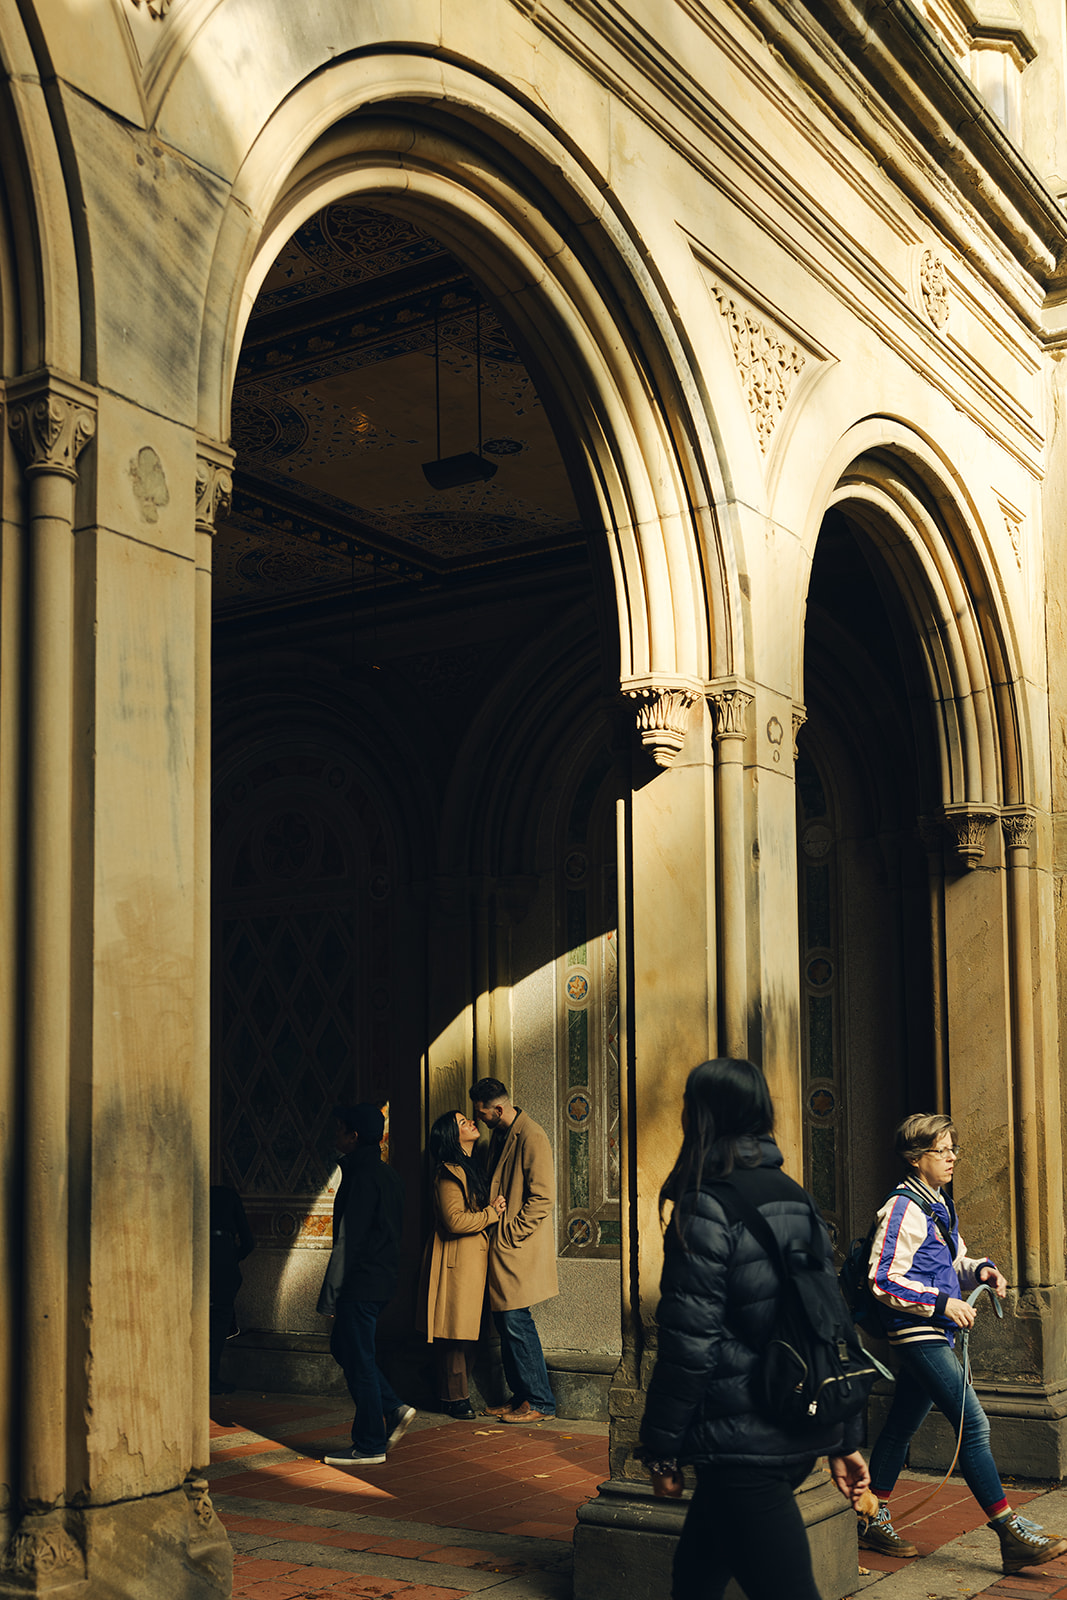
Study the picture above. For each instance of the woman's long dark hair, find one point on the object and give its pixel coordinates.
(726, 1102)
(445, 1146)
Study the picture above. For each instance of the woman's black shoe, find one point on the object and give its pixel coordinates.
(462, 1410)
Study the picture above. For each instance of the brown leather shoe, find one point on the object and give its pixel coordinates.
(498, 1411)
(525, 1413)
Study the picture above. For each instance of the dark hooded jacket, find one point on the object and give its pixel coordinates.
(367, 1216)
(719, 1295)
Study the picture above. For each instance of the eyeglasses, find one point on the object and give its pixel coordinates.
(952, 1150)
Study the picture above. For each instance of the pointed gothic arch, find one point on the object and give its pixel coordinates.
(471, 162)
(928, 532)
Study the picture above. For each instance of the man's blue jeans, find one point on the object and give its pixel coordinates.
(930, 1375)
(352, 1346)
(524, 1361)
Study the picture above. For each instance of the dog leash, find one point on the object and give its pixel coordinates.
(912, 1511)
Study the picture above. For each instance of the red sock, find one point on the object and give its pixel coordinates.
(998, 1510)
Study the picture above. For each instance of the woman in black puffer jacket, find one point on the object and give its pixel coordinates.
(719, 1295)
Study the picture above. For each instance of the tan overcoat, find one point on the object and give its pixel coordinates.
(522, 1253)
(452, 1285)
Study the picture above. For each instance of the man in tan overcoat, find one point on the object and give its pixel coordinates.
(522, 1255)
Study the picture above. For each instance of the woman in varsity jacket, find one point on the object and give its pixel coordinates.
(919, 1272)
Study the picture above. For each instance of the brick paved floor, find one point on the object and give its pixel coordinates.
(458, 1507)
(461, 1508)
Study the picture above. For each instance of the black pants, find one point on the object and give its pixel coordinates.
(744, 1523)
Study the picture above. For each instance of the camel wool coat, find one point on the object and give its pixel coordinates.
(452, 1283)
(522, 1253)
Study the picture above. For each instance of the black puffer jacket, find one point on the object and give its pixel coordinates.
(716, 1312)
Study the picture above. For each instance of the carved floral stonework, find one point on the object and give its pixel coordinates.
(1013, 527)
(50, 433)
(1018, 828)
(934, 288)
(800, 716)
(214, 492)
(38, 1549)
(967, 831)
(199, 1499)
(767, 364)
(662, 718)
(730, 709)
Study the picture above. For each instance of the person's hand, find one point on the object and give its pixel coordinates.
(667, 1485)
(959, 1312)
(851, 1475)
(501, 1205)
(996, 1279)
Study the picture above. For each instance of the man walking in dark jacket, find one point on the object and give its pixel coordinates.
(360, 1281)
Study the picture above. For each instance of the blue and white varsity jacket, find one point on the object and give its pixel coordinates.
(913, 1272)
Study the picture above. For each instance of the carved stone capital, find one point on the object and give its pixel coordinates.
(662, 716)
(214, 491)
(50, 431)
(730, 709)
(800, 716)
(1018, 828)
(967, 827)
(40, 1547)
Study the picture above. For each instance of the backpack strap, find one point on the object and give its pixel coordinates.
(924, 1205)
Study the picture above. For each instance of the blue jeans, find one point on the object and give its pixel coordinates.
(930, 1375)
(524, 1361)
(352, 1345)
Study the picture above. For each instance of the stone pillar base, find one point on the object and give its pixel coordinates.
(1027, 1431)
(625, 1538)
(169, 1544)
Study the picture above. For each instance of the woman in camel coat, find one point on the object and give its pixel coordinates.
(452, 1287)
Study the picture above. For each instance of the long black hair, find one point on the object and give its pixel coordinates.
(726, 1102)
(445, 1147)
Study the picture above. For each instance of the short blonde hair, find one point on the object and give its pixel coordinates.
(919, 1133)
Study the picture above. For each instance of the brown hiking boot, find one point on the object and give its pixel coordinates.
(1022, 1543)
(498, 1411)
(878, 1533)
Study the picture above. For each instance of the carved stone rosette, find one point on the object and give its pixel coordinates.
(662, 717)
(50, 433)
(1018, 828)
(967, 828)
(730, 708)
(214, 491)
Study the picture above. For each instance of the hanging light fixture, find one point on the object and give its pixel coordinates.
(452, 472)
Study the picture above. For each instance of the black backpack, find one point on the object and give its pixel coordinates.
(813, 1369)
(855, 1284)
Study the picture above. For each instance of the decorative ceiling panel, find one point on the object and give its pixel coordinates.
(369, 353)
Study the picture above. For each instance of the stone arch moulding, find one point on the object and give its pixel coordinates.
(546, 245)
(911, 502)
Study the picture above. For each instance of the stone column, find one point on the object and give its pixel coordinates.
(730, 711)
(214, 487)
(1018, 827)
(51, 422)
